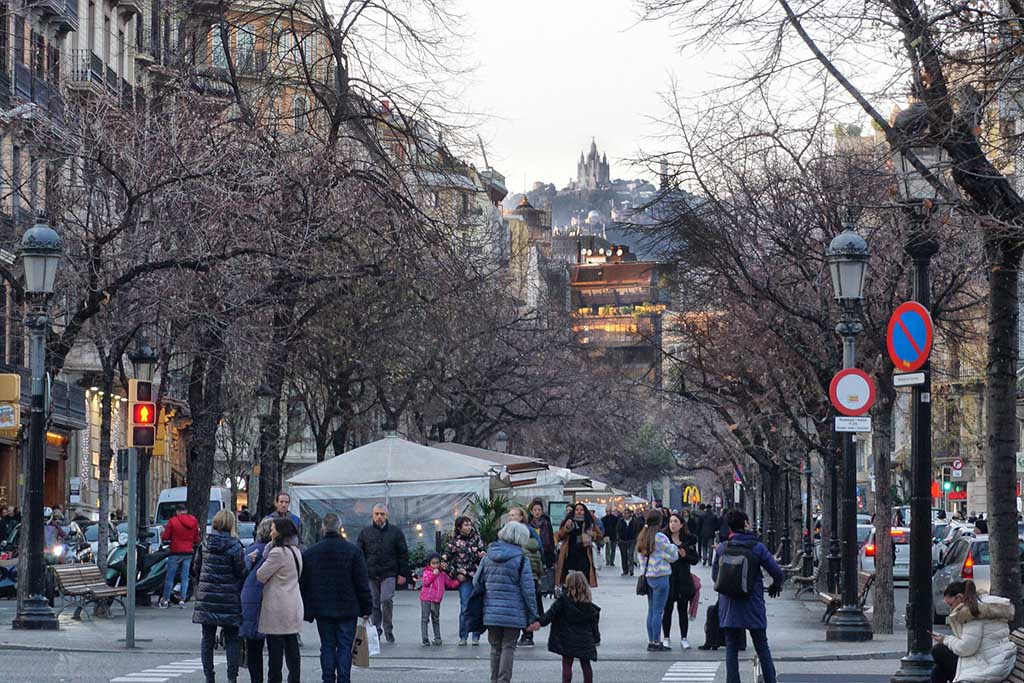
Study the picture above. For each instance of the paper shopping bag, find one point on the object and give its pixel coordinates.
(360, 648)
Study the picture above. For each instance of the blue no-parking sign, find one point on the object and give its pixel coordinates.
(909, 336)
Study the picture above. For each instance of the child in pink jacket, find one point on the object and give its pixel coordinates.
(434, 583)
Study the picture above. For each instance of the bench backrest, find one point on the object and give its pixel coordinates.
(71, 576)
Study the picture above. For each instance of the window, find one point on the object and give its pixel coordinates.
(219, 49)
(245, 51)
(286, 45)
(299, 108)
(54, 65)
(33, 184)
(4, 38)
(19, 39)
(15, 181)
(38, 55)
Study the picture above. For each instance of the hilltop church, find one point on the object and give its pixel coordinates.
(592, 171)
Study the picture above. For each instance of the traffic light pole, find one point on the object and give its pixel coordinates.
(34, 611)
(916, 666)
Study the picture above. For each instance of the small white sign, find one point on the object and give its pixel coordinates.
(908, 379)
(8, 416)
(76, 490)
(718, 501)
(957, 474)
(853, 424)
(926, 397)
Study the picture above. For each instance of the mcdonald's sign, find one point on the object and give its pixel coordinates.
(691, 495)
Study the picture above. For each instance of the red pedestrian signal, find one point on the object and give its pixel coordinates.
(144, 414)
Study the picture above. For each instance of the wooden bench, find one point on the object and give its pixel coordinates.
(1017, 675)
(833, 602)
(789, 570)
(805, 584)
(81, 585)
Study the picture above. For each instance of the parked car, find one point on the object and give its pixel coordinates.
(863, 533)
(901, 544)
(863, 518)
(968, 558)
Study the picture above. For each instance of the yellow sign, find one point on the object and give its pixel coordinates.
(691, 495)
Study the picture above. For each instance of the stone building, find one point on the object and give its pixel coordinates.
(592, 171)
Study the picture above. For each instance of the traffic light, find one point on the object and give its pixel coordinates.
(947, 483)
(142, 414)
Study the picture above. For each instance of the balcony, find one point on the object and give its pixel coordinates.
(85, 72)
(5, 90)
(22, 81)
(61, 14)
(130, 8)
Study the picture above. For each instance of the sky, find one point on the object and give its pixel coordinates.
(551, 74)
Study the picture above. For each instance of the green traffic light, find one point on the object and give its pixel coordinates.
(947, 486)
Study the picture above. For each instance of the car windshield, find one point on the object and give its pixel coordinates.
(939, 531)
(980, 553)
(863, 532)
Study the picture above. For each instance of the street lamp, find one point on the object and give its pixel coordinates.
(848, 261)
(143, 359)
(918, 196)
(40, 252)
(264, 408)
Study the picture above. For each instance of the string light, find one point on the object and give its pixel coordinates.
(419, 527)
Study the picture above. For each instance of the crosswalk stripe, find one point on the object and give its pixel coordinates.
(165, 672)
(691, 672)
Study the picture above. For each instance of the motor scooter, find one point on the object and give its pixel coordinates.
(151, 572)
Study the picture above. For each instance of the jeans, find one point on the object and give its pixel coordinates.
(174, 563)
(657, 596)
(288, 646)
(383, 593)
(945, 664)
(231, 647)
(430, 611)
(609, 553)
(626, 552)
(733, 639)
(503, 652)
(254, 659)
(465, 590)
(336, 637)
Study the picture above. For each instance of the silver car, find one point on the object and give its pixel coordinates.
(967, 558)
(901, 546)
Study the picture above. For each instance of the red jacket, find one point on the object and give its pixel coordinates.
(183, 533)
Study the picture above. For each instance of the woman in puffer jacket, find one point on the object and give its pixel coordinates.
(218, 597)
(979, 651)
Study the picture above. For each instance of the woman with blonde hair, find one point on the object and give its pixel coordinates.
(219, 592)
(657, 554)
(979, 650)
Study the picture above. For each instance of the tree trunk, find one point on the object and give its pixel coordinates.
(827, 520)
(1001, 420)
(106, 458)
(882, 592)
(207, 408)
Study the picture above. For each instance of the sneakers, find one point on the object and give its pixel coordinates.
(390, 637)
(426, 642)
(657, 647)
(526, 642)
(666, 641)
(437, 642)
(476, 641)
(685, 644)
(462, 642)
(163, 604)
(183, 605)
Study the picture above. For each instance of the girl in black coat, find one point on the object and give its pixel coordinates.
(574, 627)
(680, 587)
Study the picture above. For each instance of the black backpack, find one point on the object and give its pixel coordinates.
(737, 567)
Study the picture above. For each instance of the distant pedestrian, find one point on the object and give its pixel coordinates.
(509, 604)
(709, 525)
(460, 560)
(681, 587)
(575, 633)
(611, 536)
(628, 529)
(182, 533)
(724, 531)
(738, 607)
(979, 649)
(336, 593)
(541, 523)
(245, 515)
(434, 582)
(218, 600)
(282, 502)
(577, 534)
(656, 553)
(387, 559)
(281, 611)
(252, 600)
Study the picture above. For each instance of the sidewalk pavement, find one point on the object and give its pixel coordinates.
(795, 632)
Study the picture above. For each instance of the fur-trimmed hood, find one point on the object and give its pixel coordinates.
(990, 607)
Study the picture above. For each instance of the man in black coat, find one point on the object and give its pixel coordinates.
(709, 525)
(336, 592)
(611, 536)
(628, 529)
(387, 561)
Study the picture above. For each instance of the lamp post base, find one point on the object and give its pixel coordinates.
(35, 614)
(849, 625)
(916, 667)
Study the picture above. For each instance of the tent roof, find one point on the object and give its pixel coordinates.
(393, 459)
(514, 464)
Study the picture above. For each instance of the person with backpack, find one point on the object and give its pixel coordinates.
(736, 571)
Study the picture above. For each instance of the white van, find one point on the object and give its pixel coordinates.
(167, 503)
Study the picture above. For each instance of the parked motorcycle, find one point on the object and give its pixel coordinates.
(151, 570)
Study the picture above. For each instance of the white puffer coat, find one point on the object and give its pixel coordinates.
(982, 642)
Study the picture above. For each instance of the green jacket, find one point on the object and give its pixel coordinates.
(532, 552)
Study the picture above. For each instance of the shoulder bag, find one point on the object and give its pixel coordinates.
(641, 583)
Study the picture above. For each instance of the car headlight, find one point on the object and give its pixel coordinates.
(58, 550)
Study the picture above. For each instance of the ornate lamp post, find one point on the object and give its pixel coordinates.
(143, 359)
(918, 196)
(40, 252)
(848, 261)
(808, 568)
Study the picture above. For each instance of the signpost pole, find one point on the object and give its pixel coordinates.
(917, 665)
(133, 465)
(849, 623)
